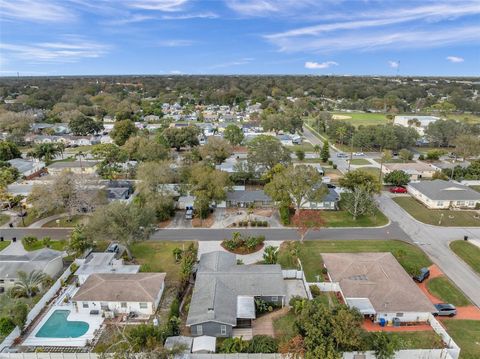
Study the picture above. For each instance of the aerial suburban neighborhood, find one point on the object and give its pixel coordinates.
(231, 211)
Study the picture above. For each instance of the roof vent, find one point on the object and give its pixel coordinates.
(358, 277)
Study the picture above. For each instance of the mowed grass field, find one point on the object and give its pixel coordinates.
(466, 333)
(469, 252)
(361, 118)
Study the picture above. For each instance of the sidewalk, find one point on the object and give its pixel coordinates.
(42, 222)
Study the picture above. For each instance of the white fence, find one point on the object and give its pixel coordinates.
(470, 182)
(292, 274)
(49, 356)
(327, 286)
(452, 347)
(35, 311)
(405, 354)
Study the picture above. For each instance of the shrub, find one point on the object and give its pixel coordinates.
(6, 326)
(261, 306)
(334, 166)
(263, 344)
(284, 215)
(315, 291)
(234, 224)
(177, 254)
(421, 157)
(174, 308)
(47, 241)
(29, 240)
(265, 223)
(330, 162)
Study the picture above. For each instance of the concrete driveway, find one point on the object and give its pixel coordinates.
(435, 242)
(14, 249)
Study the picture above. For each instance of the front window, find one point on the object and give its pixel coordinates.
(223, 329)
(85, 304)
(143, 306)
(460, 203)
(123, 304)
(440, 204)
(199, 330)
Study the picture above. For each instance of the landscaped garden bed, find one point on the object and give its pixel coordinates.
(253, 223)
(240, 244)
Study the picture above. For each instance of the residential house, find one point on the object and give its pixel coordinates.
(224, 294)
(247, 199)
(46, 260)
(328, 202)
(27, 168)
(378, 286)
(101, 263)
(419, 123)
(120, 293)
(416, 170)
(440, 194)
(316, 166)
(77, 167)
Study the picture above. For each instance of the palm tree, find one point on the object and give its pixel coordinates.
(46, 151)
(27, 285)
(270, 255)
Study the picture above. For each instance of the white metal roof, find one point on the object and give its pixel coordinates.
(245, 307)
(363, 305)
(204, 343)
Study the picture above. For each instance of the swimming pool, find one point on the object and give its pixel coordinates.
(57, 326)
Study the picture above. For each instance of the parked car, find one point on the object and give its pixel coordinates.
(113, 248)
(424, 274)
(358, 154)
(398, 189)
(342, 155)
(445, 310)
(329, 185)
(189, 213)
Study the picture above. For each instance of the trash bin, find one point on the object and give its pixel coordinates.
(465, 238)
(382, 322)
(396, 322)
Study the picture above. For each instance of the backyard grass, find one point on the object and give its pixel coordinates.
(468, 118)
(284, 327)
(444, 289)
(409, 256)
(158, 257)
(4, 218)
(359, 162)
(39, 244)
(372, 170)
(434, 216)
(419, 340)
(469, 252)
(306, 147)
(65, 222)
(466, 333)
(4, 245)
(342, 218)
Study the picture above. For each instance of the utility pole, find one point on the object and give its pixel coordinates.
(351, 153)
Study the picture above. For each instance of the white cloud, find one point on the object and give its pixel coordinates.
(37, 11)
(69, 49)
(258, 8)
(394, 64)
(193, 15)
(175, 43)
(455, 59)
(176, 72)
(320, 65)
(158, 5)
(239, 62)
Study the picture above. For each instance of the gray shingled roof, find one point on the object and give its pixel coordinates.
(440, 190)
(220, 281)
(10, 265)
(248, 196)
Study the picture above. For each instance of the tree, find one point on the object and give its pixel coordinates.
(306, 220)
(360, 178)
(266, 151)
(397, 178)
(405, 155)
(233, 134)
(325, 153)
(467, 146)
(142, 148)
(182, 137)
(111, 156)
(83, 125)
(297, 185)
(46, 151)
(122, 130)
(19, 313)
(121, 222)
(434, 155)
(28, 284)
(300, 154)
(216, 149)
(384, 345)
(9, 151)
(358, 202)
(78, 241)
(6, 326)
(8, 174)
(444, 132)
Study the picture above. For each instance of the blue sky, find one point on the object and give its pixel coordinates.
(362, 37)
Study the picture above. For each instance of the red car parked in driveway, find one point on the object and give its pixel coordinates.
(398, 189)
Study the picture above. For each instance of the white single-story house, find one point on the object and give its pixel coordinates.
(440, 194)
(137, 293)
(419, 123)
(103, 262)
(329, 202)
(27, 168)
(46, 260)
(77, 167)
(416, 170)
(378, 286)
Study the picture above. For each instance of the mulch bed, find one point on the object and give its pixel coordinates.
(243, 249)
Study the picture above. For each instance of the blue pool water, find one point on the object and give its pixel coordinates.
(57, 326)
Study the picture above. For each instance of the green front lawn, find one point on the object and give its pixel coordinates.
(66, 222)
(342, 218)
(469, 252)
(437, 217)
(372, 170)
(4, 218)
(466, 333)
(39, 244)
(444, 289)
(475, 188)
(306, 147)
(359, 162)
(409, 256)
(4, 245)
(157, 256)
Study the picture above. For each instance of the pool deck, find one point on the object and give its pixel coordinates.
(94, 322)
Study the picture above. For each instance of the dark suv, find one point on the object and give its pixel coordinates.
(424, 274)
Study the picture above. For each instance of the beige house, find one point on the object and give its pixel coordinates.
(137, 293)
(378, 286)
(416, 170)
(77, 167)
(440, 194)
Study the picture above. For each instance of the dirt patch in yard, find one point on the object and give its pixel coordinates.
(203, 223)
